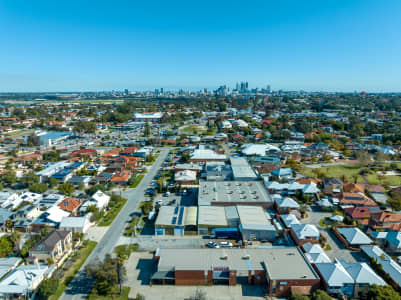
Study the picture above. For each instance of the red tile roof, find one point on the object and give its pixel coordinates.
(69, 204)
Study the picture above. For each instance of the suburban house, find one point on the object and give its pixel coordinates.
(53, 246)
(356, 199)
(121, 178)
(332, 185)
(75, 224)
(385, 221)
(305, 233)
(70, 205)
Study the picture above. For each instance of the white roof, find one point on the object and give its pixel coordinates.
(207, 154)
(337, 218)
(305, 231)
(289, 220)
(295, 186)
(73, 222)
(56, 213)
(315, 258)
(389, 266)
(354, 236)
(258, 149)
(334, 274)
(23, 278)
(312, 248)
(148, 115)
(310, 189)
(101, 198)
(287, 202)
(362, 273)
(185, 175)
(274, 185)
(324, 202)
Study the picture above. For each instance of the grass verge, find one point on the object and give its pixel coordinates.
(79, 257)
(112, 213)
(137, 181)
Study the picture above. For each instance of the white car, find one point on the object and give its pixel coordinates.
(226, 244)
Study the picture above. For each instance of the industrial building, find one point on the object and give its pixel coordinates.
(255, 223)
(241, 169)
(231, 193)
(283, 270)
(176, 220)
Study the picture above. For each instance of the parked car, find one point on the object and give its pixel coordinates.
(212, 245)
(226, 244)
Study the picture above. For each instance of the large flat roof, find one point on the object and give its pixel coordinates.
(242, 169)
(236, 192)
(176, 216)
(279, 262)
(252, 215)
(212, 215)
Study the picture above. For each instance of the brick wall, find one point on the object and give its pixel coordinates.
(184, 277)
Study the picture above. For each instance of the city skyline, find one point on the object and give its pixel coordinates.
(333, 46)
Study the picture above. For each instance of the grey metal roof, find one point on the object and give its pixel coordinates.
(280, 263)
(242, 169)
(240, 192)
(252, 215)
(354, 236)
(212, 216)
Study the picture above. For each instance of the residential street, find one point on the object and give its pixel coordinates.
(81, 285)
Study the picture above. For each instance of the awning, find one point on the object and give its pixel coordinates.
(163, 275)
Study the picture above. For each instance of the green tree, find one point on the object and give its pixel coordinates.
(105, 274)
(39, 188)
(299, 297)
(6, 246)
(47, 288)
(1, 187)
(66, 188)
(81, 186)
(30, 178)
(53, 182)
(383, 293)
(9, 176)
(320, 295)
(146, 207)
(146, 131)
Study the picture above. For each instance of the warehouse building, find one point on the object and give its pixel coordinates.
(210, 218)
(231, 193)
(283, 270)
(255, 223)
(241, 169)
(176, 220)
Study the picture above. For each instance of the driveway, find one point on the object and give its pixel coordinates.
(337, 248)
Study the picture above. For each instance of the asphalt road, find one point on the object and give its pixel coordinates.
(81, 285)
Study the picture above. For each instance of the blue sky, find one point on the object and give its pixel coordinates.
(103, 45)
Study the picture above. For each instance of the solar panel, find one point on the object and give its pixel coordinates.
(174, 220)
(180, 215)
(176, 210)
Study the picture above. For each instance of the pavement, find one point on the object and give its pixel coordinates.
(140, 267)
(337, 248)
(81, 285)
